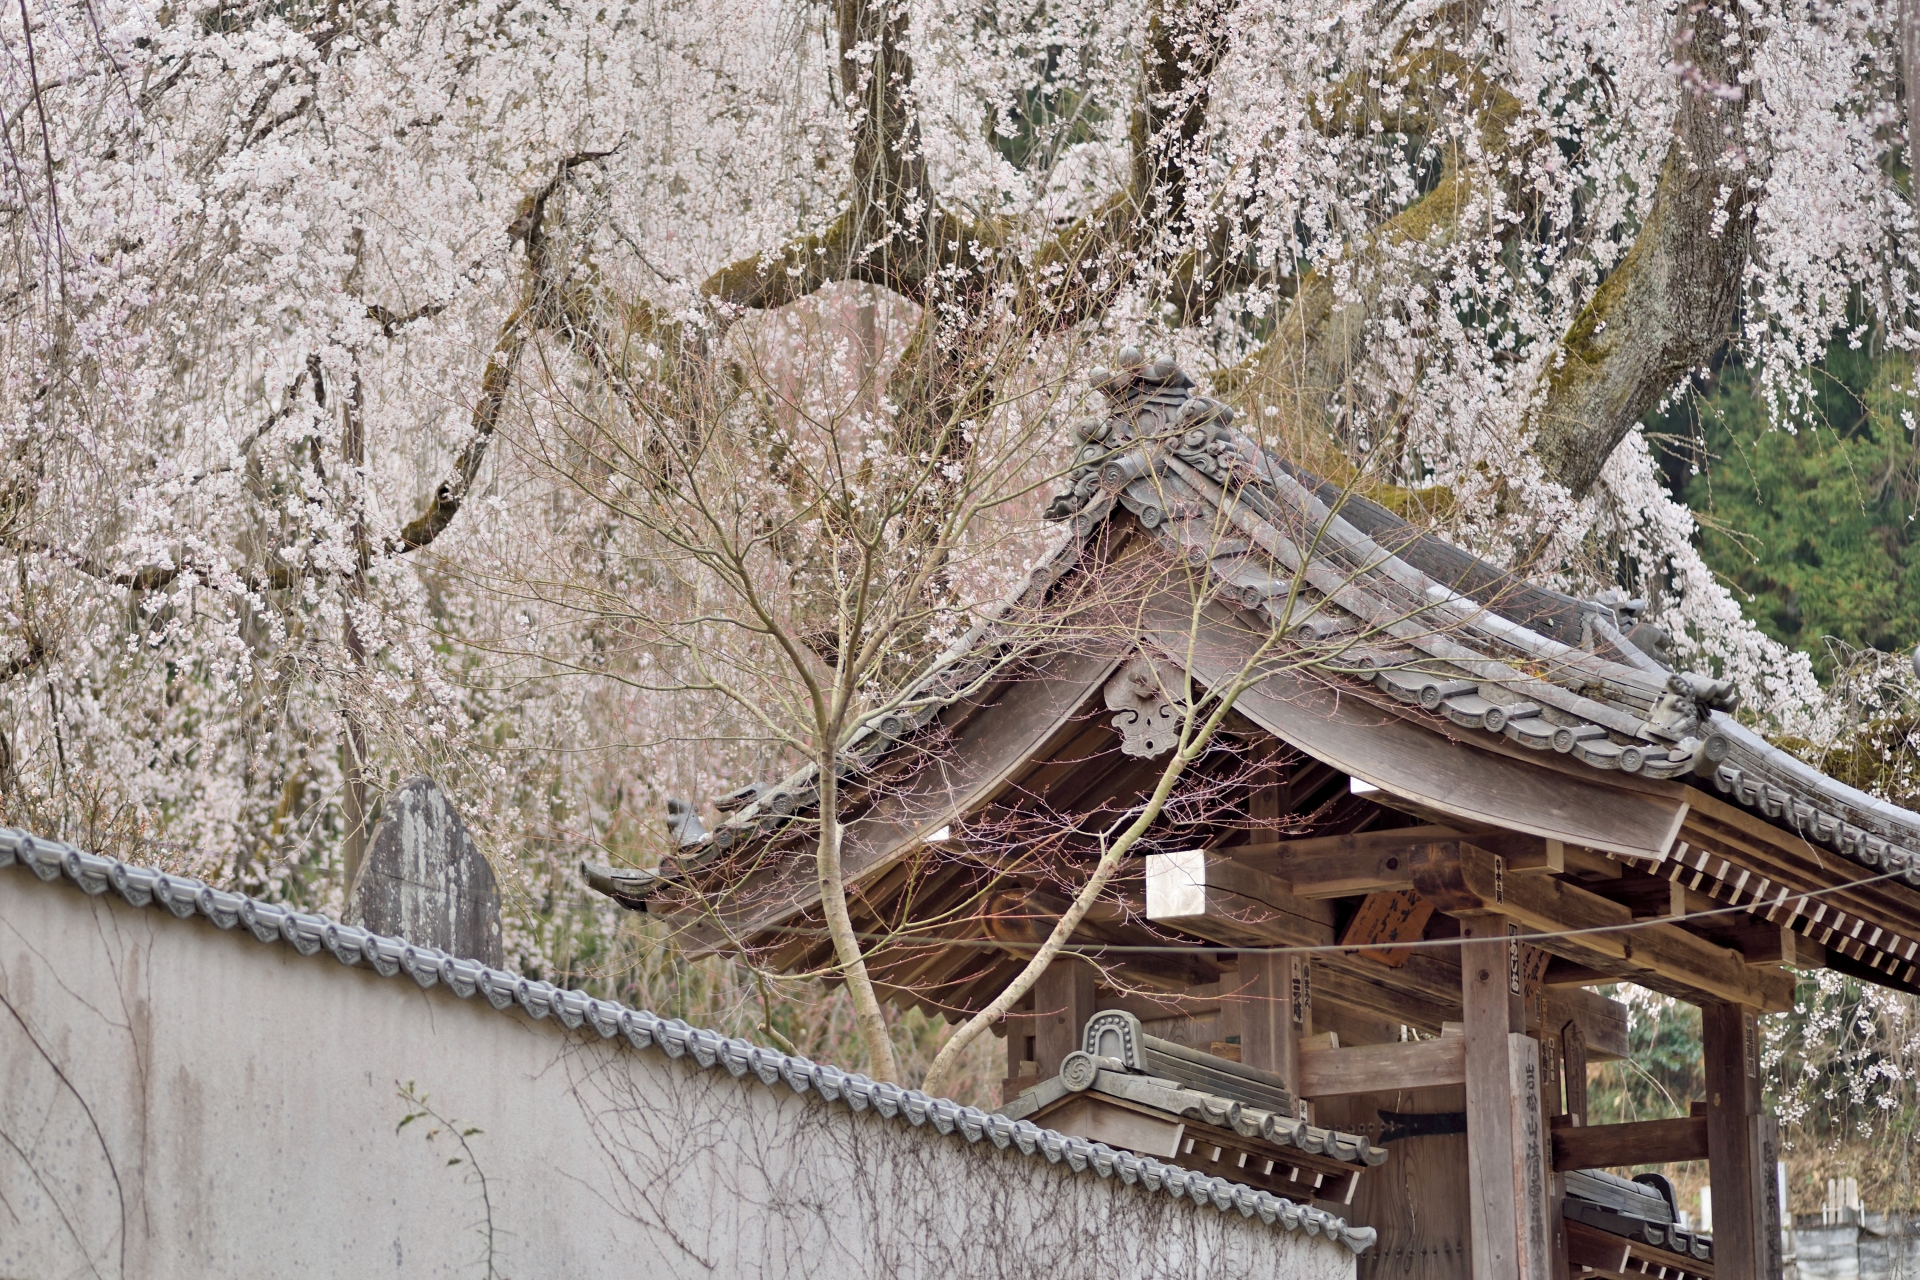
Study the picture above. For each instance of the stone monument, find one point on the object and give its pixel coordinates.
(425, 881)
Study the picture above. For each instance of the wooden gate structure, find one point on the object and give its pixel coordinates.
(1447, 806)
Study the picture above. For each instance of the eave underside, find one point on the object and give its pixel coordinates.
(950, 923)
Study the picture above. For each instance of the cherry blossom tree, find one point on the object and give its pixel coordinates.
(319, 320)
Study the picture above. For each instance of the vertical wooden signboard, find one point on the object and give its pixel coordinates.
(1507, 1167)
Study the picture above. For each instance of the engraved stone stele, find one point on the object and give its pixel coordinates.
(425, 881)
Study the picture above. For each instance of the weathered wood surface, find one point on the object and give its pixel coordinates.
(1467, 882)
(1063, 1000)
(1508, 1161)
(1376, 861)
(1781, 860)
(1418, 1201)
(993, 745)
(1096, 1119)
(1276, 1014)
(424, 879)
(1595, 1249)
(1742, 1146)
(1424, 764)
(1383, 1068)
(1613, 1146)
(1602, 1022)
(1216, 898)
(1573, 1070)
(1423, 993)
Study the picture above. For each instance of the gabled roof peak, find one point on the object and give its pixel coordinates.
(1364, 597)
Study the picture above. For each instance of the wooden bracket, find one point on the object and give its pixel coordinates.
(1466, 881)
(1383, 1068)
(1612, 1146)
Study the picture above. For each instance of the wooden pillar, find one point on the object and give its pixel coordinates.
(1062, 1003)
(1278, 1009)
(1552, 1091)
(1507, 1161)
(1276, 1015)
(1742, 1146)
(1020, 1047)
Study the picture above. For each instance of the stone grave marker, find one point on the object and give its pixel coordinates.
(425, 881)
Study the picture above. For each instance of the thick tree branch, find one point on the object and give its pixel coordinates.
(1674, 300)
(1307, 369)
(485, 420)
(19, 666)
(895, 235)
(149, 578)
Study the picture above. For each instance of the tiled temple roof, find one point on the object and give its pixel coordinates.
(390, 957)
(1119, 1059)
(1380, 602)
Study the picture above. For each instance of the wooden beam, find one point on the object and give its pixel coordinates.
(1383, 1068)
(1766, 944)
(1340, 866)
(1602, 1022)
(1469, 882)
(1742, 1146)
(1526, 855)
(1611, 1146)
(1063, 1000)
(1593, 865)
(1377, 861)
(1424, 994)
(1216, 898)
(1507, 1166)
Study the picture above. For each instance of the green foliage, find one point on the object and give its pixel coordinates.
(1815, 527)
(1664, 1074)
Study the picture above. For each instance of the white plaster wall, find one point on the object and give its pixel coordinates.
(179, 1101)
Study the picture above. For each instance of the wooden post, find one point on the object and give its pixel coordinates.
(1742, 1146)
(1552, 1091)
(1276, 1014)
(1020, 1050)
(1507, 1154)
(1062, 1003)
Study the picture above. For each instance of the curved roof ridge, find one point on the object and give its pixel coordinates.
(1463, 638)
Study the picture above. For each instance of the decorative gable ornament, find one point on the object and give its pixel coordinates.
(1149, 717)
